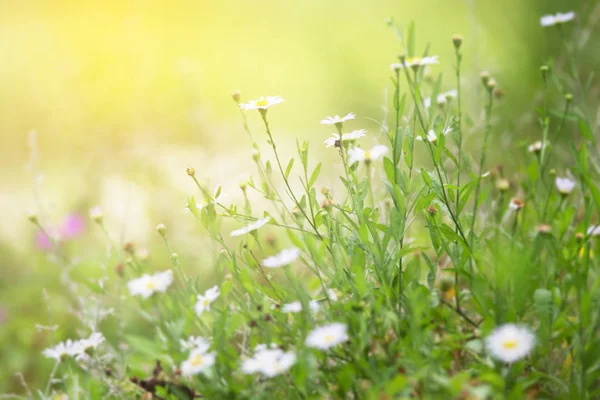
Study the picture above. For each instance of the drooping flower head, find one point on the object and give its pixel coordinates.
(147, 285)
(557, 19)
(337, 140)
(283, 258)
(510, 343)
(442, 98)
(357, 154)
(516, 204)
(204, 301)
(251, 227)
(327, 336)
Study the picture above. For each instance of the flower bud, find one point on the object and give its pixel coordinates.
(32, 217)
(431, 210)
(327, 204)
(544, 69)
(236, 96)
(161, 229)
(255, 154)
(120, 269)
(191, 171)
(457, 41)
(324, 190)
(244, 186)
(485, 77)
(491, 83)
(569, 97)
(544, 229)
(96, 215)
(502, 184)
(129, 248)
(174, 257)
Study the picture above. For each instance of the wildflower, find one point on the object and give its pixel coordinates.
(62, 350)
(564, 185)
(337, 141)
(432, 137)
(147, 285)
(557, 19)
(198, 361)
(262, 103)
(327, 336)
(337, 120)
(195, 343)
(95, 340)
(96, 215)
(503, 184)
(252, 227)
(161, 229)
(516, 204)
(415, 62)
(269, 361)
(509, 343)
(357, 154)
(593, 230)
(296, 306)
(204, 301)
(442, 98)
(535, 147)
(544, 229)
(285, 257)
(457, 41)
(333, 294)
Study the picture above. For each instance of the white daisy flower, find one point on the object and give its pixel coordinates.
(415, 62)
(251, 227)
(559, 18)
(95, 340)
(62, 350)
(337, 120)
(564, 185)
(147, 285)
(296, 306)
(336, 140)
(96, 214)
(195, 343)
(327, 336)
(262, 103)
(509, 343)
(269, 362)
(358, 154)
(204, 301)
(332, 294)
(198, 361)
(535, 147)
(285, 257)
(442, 98)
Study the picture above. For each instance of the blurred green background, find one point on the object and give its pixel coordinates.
(124, 95)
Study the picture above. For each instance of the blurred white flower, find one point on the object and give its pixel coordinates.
(204, 301)
(442, 98)
(296, 306)
(195, 343)
(358, 154)
(336, 141)
(147, 285)
(197, 362)
(269, 361)
(335, 120)
(535, 147)
(509, 343)
(62, 350)
(95, 340)
(284, 257)
(332, 294)
(559, 18)
(327, 336)
(96, 214)
(262, 103)
(432, 137)
(251, 227)
(593, 230)
(415, 62)
(564, 185)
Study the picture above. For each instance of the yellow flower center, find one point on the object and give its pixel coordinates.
(150, 285)
(197, 360)
(328, 338)
(262, 102)
(206, 302)
(414, 61)
(367, 156)
(510, 344)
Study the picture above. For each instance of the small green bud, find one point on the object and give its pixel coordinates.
(457, 41)
(485, 77)
(569, 97)
(191, 171)
(161, 229)
(236, 96)
(32, 217)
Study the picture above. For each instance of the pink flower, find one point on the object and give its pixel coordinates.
(73, 225)
(43, 241)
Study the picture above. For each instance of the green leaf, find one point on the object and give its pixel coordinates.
(315, 175)
(389, 168)
(289, 168)
(585, 130)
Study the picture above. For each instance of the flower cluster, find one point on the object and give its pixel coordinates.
(74, 348)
